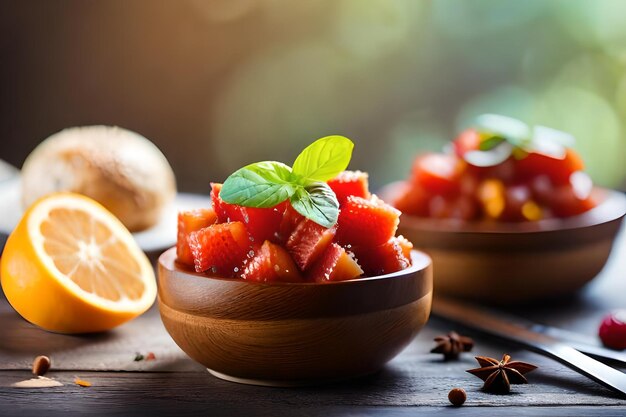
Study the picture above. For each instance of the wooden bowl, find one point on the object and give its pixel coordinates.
(286, 334)
(504, 263)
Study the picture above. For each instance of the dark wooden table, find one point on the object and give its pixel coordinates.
(414, 382)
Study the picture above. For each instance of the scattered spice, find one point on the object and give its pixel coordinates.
(150, 356)
(138, 357)
(451, 345)
(499, 375)
(81, 382)
(41, 365)
(39, 382)
(457, 396)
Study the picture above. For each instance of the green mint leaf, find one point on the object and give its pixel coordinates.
(317, 202)
(263, 184)
(514, 131)
(324, 159)
(490, 143)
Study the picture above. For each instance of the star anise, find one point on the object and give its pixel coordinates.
(499, 375)
(452, 344)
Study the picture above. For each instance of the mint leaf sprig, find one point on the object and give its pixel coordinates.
(268, 183)
(504, 136)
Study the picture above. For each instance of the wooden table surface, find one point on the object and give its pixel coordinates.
(413, 382)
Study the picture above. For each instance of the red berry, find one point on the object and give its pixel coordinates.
(308, 241)
(291, 219)
(220, 248)
(271, 263)
(350, 183)
(613, 330)
(384, 259)
(366, 222)
(188, 222)
(335, 264)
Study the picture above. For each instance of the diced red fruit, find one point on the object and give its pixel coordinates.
(308, 241)
(271, 263)
(335, 265)
(462, 207)
(406, 246)
(291, 219)
(565, 203)
(218, 204)
(220, 248)
(383, 259)
(188, 222)
(350, 183)
(558, 170)
(412, 200)
(262, 223)
(519, 205)
(468, 140)
(612, 330)
(438, 173)
(368, 222)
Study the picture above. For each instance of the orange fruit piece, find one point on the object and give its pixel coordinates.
(70, 266)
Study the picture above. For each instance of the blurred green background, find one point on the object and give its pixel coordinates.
(217, 84)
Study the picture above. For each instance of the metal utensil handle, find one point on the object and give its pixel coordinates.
(473, 317)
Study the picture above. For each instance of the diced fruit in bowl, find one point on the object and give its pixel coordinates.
(301, 279)
(507, 214)
(314, 222)
(500, 170)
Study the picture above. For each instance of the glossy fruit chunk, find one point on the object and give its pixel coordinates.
(558, 170)
(307, 242)
(220, 248)
(191, 221)
(384, 259)
(350, 183)
(438, 173)
(612, 330)
(335, 265)
(412, 200)
(468, 140)
(368, 222)
(291, 219)
(271, 263)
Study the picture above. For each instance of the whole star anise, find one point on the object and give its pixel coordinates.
(452, 344)
(499, 375)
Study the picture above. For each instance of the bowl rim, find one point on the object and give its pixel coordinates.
(419, 261)
(612, 207)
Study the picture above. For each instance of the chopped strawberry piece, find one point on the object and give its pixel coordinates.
(558, 170)
(350, 183)
(366, 222)
(468, 140)
(291, 219)
(191, 221)
(271, 263)
(335, 265)
(220, 248)
(218, 204)
(308, 241)
(412, 200)
(383, 259)
(262, 223)
(438, 173)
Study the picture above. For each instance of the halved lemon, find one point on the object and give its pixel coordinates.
(70, 266)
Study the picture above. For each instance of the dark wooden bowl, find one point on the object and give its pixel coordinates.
(293, 334)
(503, 263)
